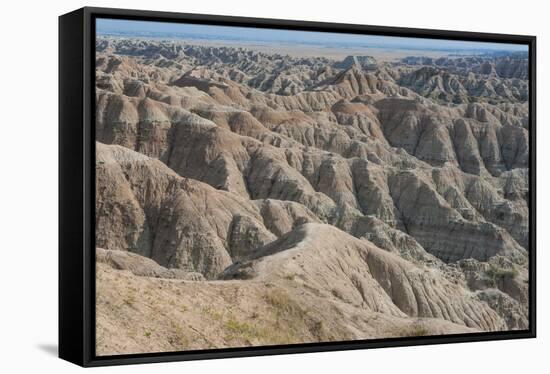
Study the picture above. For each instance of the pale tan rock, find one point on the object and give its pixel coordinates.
(372, 199)
(144, 207)
(141, 266)
(338, 265)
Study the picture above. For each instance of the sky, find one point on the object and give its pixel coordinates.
(181, 30)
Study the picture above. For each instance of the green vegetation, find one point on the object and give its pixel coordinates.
(285, 322)
(218, 316)
(130, 300)
(179, 338)
(241, 328)
(250, 333)
(290, 277)
(496, 273)
(418, 331)
(283, 305)
(412, 331)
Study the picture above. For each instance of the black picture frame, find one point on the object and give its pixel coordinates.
(77, 194)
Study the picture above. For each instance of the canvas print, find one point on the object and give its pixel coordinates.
(260, 187)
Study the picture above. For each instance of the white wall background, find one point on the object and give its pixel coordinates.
(28, 184)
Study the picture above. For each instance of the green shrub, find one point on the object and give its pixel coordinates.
(496, 273)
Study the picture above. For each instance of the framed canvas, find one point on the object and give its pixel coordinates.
(236, 186)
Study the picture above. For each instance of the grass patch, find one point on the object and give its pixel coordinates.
(283, 304)
(130, 300)
(250, 333)
(418, 331)
(239, 328)
(412, 331)
(179, 338)
(254, 333)
(212, 312)
(283, 324)
(292, 320)
(290, 277)
(497, 274)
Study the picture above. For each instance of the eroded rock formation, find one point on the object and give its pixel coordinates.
(393, 195)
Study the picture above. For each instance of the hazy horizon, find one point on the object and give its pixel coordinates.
(170, 30)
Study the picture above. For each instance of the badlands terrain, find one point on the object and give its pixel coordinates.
(246, 198)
